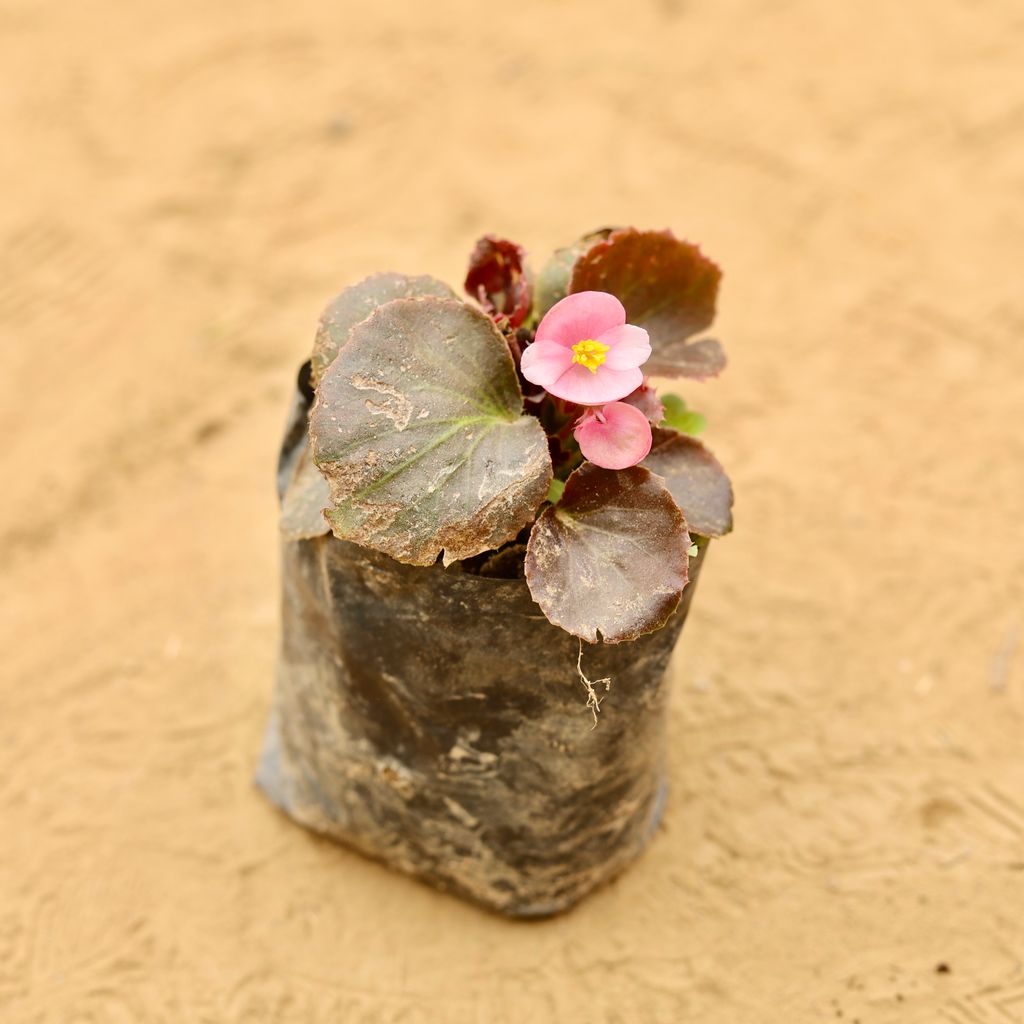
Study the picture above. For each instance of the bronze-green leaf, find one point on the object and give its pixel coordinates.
(419, 428)
(696, 480)
(357, 302)
(668, 287)
(610, 558)
(306, 498)
(553, 282)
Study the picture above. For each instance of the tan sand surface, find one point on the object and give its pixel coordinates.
(185, 184)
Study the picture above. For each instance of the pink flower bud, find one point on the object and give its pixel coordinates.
(615, 436)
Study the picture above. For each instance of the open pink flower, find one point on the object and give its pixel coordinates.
(616, 436)
(585, 352)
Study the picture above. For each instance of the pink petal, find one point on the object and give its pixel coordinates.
(579, 385)
(581, 316)
(621, 441)
(544, 362)
(629, 346)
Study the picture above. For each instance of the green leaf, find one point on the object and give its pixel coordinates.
(419, 429)
(696, 479)
(694, 551)
(610, 559)
(556, 490)
(357, 302)
(692, 423)
(668, 287)
(679, 417)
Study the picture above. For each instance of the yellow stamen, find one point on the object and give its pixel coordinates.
(589, 353)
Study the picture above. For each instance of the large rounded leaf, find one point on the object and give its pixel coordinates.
(668, 287)
(695, 479)
(610, 558)
(357, 302)
(419, 429)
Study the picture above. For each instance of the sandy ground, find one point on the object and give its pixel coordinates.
(184, 185)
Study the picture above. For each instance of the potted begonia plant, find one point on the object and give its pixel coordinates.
(492, 524)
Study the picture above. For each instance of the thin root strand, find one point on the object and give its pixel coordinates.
(593, 701)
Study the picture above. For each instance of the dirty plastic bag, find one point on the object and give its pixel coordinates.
(435, 720)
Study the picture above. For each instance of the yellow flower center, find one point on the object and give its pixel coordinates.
(589, 353)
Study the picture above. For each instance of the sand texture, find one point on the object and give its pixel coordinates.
(186, 185)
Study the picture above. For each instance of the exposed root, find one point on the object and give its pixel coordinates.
(593, 701)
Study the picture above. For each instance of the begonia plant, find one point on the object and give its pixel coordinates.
(520, 433)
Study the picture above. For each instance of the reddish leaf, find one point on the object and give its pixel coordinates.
(668, 287)
(696, 480)
(357, 302)
(646, 399)
(419, 428)
(610, 559)
(498, 279)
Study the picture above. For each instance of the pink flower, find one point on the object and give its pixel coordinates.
(585, 352)
(614, 437)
